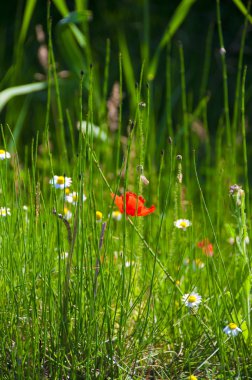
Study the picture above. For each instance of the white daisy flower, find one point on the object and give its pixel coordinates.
(4, 211)
(199, 264)
(60, 182)
(129, 264)
(73, 198)
(232, 329)
(4, 154)
(116, 215)
(192, 299)
(182, 223)
(67, 214)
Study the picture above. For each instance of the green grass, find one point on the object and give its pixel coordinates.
(102, 299)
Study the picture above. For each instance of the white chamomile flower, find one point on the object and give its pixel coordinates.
(60, 182)
(67, 214)
(182, 223)
(192, 299)
(4, 154)
(129, 264)
(116, 215)
(73, 198)
(4, 211)
(232, 329)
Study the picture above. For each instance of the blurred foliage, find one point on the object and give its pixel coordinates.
(80, 31)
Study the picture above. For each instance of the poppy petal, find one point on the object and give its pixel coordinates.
(146, 211)
(134, 204)
(118, 201)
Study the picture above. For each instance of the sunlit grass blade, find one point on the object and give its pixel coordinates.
(9, 93)
(176, 20)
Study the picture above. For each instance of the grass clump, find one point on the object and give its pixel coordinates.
(125, 246)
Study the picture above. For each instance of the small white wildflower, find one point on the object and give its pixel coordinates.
(199, 264)
(232, 329)
(192, 299)
(73, 198)
(129, 263)
(237, 193)
(182, 223)
(64, 255)
(4, 211)
(231, 240)
(222, 51)
(246, 240)
(116, 215)
(4, 154)
(67, 214)
(144, 180)
(238, 240)
(60, 182)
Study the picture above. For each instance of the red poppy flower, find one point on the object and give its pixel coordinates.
(134, 204)
(206, 246)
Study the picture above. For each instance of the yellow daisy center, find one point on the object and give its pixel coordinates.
(192, 377)
(116, 214)
(61, 180)
(192, 299)
(183, 224)
(98, 215)
(2, 151)
(232, 326)
(75, 197)
(67, 191)
(65, 210)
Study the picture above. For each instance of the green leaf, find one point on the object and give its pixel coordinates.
(62, 8)
(243, 9)
(11, 92)
(127, 65)
(29, 8)
(70, 50)
(177, 19)
(75, 17)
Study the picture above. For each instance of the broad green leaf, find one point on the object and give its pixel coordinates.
(177, 19)
(19, 123)
(62, 8)
(75, 17)
(71, 52)
(127, 65)
(243, 9)
(29, 8)
(11, 92)
(80, 5)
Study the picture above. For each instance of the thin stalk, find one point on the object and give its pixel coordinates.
(118, 142)
(238, 85)
(207, 61)
(224, 76)
(245, 156)
(186, 144)
(168, 91)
